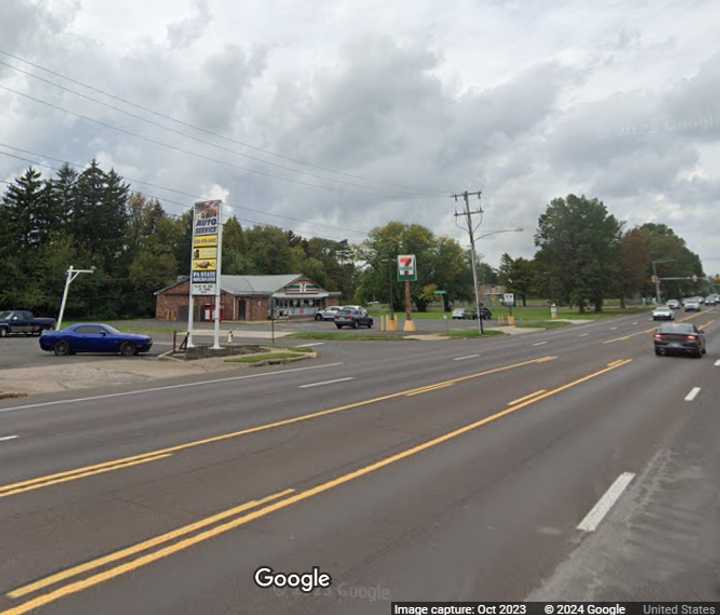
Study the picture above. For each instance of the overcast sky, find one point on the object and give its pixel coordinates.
(392, 105)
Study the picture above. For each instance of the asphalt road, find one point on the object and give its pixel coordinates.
(570, 464)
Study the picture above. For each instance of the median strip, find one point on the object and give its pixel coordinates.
(52, 479)
(141, 546)
(286, 502)
(527, 397)
(31, 485)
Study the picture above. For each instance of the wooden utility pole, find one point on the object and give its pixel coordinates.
(468, 214)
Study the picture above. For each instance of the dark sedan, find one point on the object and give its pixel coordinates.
(353, 318)
(89, 337)
(681, 338)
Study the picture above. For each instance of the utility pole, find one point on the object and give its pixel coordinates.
(70, 276)
(468, 214)
(656, 279)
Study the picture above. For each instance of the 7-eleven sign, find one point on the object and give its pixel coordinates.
(407, 271)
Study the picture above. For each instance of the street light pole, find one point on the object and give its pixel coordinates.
(656, 278)
(70, 276)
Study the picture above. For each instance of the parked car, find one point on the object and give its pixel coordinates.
(712, 300)
(683, 338)
(692, 305)
(350, 317)
(22, 321)
(674, 304)
(328, 313)
(663, 312)
(471, 314)
(94, 337)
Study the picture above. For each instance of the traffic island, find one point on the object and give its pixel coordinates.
(207, 352)
(274, 357)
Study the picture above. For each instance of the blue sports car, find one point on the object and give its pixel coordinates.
(90, 337)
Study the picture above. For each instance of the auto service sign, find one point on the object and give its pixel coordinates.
(207, 224)
(407, 270)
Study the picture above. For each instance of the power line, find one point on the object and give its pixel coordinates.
(186, 206)
(183, 123)
(78, 166)
(468, 214)
(189, 136)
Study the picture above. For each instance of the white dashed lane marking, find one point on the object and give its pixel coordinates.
(692, 394)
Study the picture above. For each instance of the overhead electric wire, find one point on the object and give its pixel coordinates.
(77, 166)
(194, 138)
(194, 127)
(346, 231)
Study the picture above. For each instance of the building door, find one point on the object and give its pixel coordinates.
(242, 309)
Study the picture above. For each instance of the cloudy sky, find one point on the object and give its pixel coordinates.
(331, 117)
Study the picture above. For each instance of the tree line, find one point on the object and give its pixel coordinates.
(92, 218)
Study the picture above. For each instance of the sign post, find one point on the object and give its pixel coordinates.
(407, 272)
(206, 262)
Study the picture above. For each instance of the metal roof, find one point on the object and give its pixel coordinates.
(257, 284)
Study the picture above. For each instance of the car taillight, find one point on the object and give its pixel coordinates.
(691, 338)
(658, 337)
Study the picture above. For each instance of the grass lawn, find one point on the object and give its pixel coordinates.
(463, 333)
(530, 313)
(129, 326)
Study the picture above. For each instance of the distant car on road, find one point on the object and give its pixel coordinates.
(23, 321)
(94, 337)
(350, 317)
(712, 300)
(328, 313)
(663, 312)
(674, 304)
(471, 314)
(682, 338)
(692, 305)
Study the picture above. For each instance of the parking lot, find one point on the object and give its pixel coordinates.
(22, 351)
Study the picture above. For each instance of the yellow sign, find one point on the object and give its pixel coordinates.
(206, 264)
(202, 254)
(205, 241)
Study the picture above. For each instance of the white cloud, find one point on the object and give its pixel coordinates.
(524, 100)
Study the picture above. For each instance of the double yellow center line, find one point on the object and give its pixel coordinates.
(267, 506)
(128, 462)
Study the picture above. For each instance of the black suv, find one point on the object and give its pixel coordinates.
(349, 317)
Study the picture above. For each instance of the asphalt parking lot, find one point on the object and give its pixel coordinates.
(21, 351)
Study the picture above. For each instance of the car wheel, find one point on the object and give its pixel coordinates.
(658, 352)
(355, 324)
(370, 324)
(338, 326)
(127, 349)
(62, 349)
(318, 317)
(3, 332)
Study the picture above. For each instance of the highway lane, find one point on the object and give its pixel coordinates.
(162, 417)
(322, 449)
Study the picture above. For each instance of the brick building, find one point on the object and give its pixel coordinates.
(248, 297)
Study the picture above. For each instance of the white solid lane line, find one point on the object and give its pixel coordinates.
(540, 344)
(584, 334)
(613, 328)
(692, 394)
(324, 382)
(6, 438)
(605, 503)
(310, 345)
(468, 356)
(167, 388)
